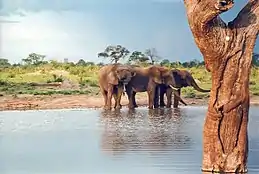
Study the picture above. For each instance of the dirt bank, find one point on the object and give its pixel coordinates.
(28, 102)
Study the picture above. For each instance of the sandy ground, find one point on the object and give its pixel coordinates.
(28, 102)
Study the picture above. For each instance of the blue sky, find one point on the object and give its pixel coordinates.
(77, 29)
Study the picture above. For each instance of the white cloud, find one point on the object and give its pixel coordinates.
(58, 35)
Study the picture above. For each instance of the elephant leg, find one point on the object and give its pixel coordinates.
(151, 97)
(134, 99)
(177, 98)
(114, 94)
(130, 98)
(109, 96)
(162, 93)
(156, 97)
(121, 92)
(118, 98)
(169, 97)
(104, 93)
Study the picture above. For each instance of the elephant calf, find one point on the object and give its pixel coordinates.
(112, 80)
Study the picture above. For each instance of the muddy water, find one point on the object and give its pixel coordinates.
(96, 142)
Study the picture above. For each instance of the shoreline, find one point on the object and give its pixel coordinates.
(32, 102)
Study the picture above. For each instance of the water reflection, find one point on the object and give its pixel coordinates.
(144, 130)
(161, 141)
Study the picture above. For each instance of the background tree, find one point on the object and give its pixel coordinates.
(176, 64)
(152, 55)
(4, 63)
(227, 50)
(115, 53)
(81, 62)
(138, 57)
(89, 63)
(100, 64)
(34, 59)
(165, 62)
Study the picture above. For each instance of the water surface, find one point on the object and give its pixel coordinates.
(160, 141)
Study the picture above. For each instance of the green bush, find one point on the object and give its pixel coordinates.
(188, 92)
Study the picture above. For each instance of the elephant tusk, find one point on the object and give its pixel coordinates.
(124, 87)
(171, 86)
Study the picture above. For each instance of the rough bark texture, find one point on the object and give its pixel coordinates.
(227, 50)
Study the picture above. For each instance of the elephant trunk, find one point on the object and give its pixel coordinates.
(195, 86)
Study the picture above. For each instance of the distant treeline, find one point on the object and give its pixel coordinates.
(34, 60)
(136, 57)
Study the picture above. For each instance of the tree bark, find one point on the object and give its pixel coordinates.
(227, 50)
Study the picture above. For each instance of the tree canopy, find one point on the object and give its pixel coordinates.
(115, 53)
(34, 59)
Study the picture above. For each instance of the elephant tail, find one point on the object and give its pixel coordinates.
(195, 86)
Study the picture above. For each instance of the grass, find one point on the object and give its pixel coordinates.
(26, 88)
(16, 80)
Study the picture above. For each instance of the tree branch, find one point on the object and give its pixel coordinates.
(206, 10)
(247, 18)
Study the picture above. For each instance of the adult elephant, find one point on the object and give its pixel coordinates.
(112, 80)
(181, 78)
(146, 80)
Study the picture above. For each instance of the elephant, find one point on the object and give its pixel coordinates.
(181, 78)
(112, 79)
(146, 80)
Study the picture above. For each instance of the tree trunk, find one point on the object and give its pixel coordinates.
(227, 51)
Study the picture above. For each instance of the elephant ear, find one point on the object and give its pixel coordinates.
(177, 76)
(166, 73)
(112, 78)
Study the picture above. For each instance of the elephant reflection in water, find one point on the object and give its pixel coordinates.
(157, 129)
(116, 137)
(167, 129)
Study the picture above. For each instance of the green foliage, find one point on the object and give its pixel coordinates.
(165, 62)
(17, 78)
(56, 78)
(63, 92)
(190, 92)
(81, 62)
(14, 88)
(4, 63)
(27, 88)
(92, 82)
(138, 57)
(34, 59)
(115, 53)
